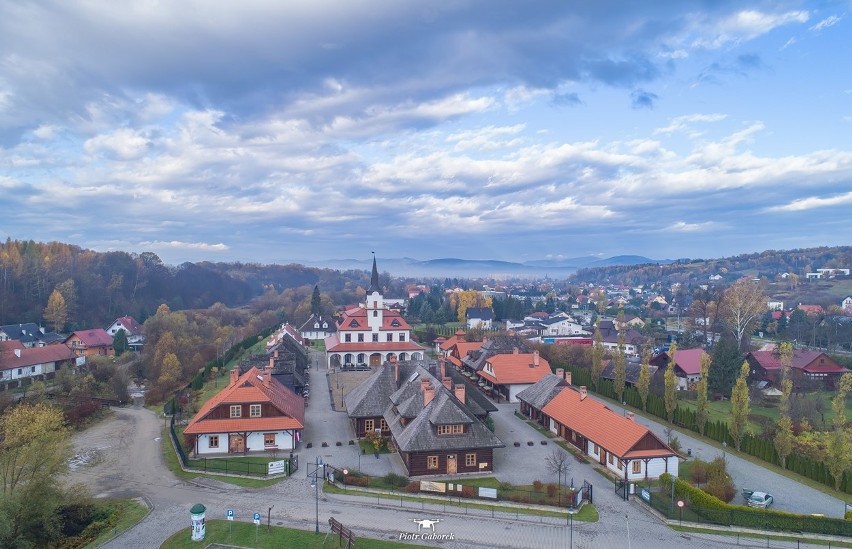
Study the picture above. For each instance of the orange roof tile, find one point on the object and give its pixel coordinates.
(515, 368)
(594, 421)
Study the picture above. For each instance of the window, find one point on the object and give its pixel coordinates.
(361, 337)
(369, 425)
(348, 337)
(620, 465)
(32, 369)
(375, 304)
(236, 411)
(375, 313)
(20, 371)
(375, 337)
(354, 324)
(395, 323)
(269, 439)
(431, 462)
(611, 459)
(254, 410)
(390, 337)
(384, 425)
(213, 441)
(637, 466)
(402, 336)
(450, 429)
(470, 460)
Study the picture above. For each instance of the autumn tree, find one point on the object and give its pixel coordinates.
(739, 407)
(839, 446)
(670, 380)
(34, 452)
(170, 372)
(55, 313)
(462, 300)
(643, 384)
(743, 305)
(620, 360)
(701, 399)
(597, 357)
(704, 306)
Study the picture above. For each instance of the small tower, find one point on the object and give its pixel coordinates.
(375, 301)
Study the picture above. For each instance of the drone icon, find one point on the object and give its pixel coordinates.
(425, 523)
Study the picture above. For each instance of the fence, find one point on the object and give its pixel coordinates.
(744, 517)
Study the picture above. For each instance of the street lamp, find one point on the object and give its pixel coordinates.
(571, 512)
(315, 477)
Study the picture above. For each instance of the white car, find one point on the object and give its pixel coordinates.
(761, 500)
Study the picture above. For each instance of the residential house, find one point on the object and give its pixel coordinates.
(474, 361)
(687, 365)
(503, 376)
(254, 413)
(632, 369)
(29, 334)
(811, 310)
(479, 317)
(317, 328)
(806, 365)
(285, 331)
(436, 427)
(94, 342)
(626, 448)
(371, 334)
(132, 329)
(846, 304)
(20, 364)
(633, 340)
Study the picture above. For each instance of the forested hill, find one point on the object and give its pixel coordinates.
(99, 287)
(770, 264)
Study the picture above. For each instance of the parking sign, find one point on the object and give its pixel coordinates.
(257, 518)
(230, 514)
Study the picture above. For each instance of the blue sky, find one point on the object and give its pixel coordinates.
(277, 131)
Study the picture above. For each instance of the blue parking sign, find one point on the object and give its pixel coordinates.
(230, 514)
(257, 518)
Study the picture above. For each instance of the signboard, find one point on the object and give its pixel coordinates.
(230, 514)
(429, 486)
(80, 361)
(645, 495)
(490, 493)
(257, 518)
(276, 467)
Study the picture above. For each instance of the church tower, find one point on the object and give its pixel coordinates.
(375, 301)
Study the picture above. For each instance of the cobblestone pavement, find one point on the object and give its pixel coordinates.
(129, 465)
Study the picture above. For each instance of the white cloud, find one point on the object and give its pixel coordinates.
(178, 245)
(829, 21)
(681, 123)
(813, 202)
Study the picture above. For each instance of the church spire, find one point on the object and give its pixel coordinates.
(374, 278)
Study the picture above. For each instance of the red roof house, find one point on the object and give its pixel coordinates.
(91, 342)
(687, 365)
(505, 375)
(254, 413)
(19, 362)
(806, 365)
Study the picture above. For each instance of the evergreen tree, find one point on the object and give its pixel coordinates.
(316, 302)
(119, 342)
(839, 451)
(784, 433)
(724, 367)
(739, 407)
(620, 374)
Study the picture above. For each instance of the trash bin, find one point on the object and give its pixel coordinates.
(689, 451)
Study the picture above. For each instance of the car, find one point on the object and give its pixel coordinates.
(760, 500)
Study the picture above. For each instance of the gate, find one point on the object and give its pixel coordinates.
(621, 488)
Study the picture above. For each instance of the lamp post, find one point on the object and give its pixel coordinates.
(724, 456)
(571, 512)
(315, 477)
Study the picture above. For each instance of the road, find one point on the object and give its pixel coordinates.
(121, 457)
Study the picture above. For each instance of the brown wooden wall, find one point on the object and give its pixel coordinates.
(223, 411)
(417, 461)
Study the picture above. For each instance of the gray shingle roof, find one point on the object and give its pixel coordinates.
(500, 344)
(370, 398)
(541, 392)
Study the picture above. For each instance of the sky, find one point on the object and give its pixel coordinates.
(272, 132)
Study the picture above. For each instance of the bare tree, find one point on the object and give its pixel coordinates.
(557, 462)
(743, 305)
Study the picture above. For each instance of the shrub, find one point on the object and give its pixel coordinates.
(356, 480)
(412, 487)
(537, 485)
(699, 472)
(551, 490)
(395, 480)
(675, 445)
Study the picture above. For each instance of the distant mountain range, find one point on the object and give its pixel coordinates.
(482, 268)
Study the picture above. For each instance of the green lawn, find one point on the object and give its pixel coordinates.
(129, 512)
(243, 534)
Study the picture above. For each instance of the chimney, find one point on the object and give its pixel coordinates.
(448, 383)
(276, 353)
(442, 363)
(568, 377)
(560, 372)
(428, 394)
(267, 375)
(631, 416)
(424, 383)
(535, 358)
(396, 372)
(515, 350)
(271, 362)
(235, 374)
(583, 393)
(460, 392)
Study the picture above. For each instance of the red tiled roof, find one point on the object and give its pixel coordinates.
(130, 324)
(594, 421)
(96, 337)
(803, 359)
(689, 360)
(35, 355)
(250, 389)
(515, 368)
(359, 315)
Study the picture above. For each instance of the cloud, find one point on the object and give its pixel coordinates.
(682, 123)
(813, 202)
(178, 245)
(829, 21)
(641, 99)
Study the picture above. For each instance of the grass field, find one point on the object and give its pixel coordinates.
(242, 534)
(130, 512)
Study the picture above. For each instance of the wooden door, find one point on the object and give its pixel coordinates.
(236, 444)
(602, 455)
(451, 465)
(375, 360)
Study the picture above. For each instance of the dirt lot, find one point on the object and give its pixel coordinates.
(344, 381)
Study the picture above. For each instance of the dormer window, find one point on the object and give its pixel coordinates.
(395, 323)
(236, 410)
(254, 410)
(354, 324)
(450, 429)
(316, 324)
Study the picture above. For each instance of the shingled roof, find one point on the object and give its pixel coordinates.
(541, 392)
(500, 344)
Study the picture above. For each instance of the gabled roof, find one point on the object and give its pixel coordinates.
(249, 388)
(516, 368)
(495, 345)
(308, 326)
(370, 398)
(803, 359)
(482, 313)
(9, 358)
(129, 324)
(28, 333)
(594, 421)
(688, 360)
(457, 337)
(540, 393)
(632, 370)
(96, 337)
